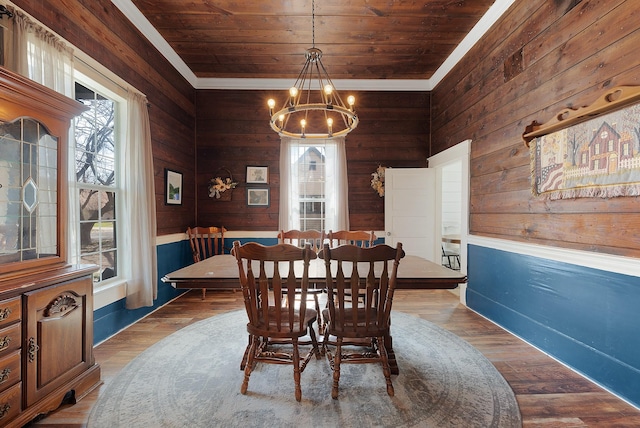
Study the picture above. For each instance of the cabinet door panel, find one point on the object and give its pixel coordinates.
(60, 340)
(58, 343)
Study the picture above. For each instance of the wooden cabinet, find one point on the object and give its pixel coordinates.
(46, 304)
(47, 332)
(59, 338)
(10, 361)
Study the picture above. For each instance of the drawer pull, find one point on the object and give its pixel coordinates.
(4, 375)
(33, 349)
(4, 313)
(4, 410)
(5, 342)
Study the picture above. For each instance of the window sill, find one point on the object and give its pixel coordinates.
(104, 295)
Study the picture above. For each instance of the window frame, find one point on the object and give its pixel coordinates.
(97, 78)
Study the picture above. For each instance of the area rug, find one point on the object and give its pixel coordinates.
(192, 379)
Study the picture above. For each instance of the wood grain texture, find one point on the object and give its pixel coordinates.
(548, 393)
(572, 52)
(233, 132)
(375, 39)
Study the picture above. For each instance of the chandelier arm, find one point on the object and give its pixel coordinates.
(352, 117)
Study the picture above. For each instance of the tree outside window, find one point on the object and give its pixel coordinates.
(95, 173)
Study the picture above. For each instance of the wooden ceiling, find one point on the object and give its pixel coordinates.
(267, 39)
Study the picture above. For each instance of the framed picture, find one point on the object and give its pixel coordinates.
(258, 197)
(173, 187)
(257, 175)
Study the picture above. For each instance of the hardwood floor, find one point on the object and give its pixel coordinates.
(549, 394)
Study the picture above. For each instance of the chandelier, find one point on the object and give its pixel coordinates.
(313, 108)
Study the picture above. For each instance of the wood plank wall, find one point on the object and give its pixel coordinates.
(99, 29)
(233, 132)
(538, 59)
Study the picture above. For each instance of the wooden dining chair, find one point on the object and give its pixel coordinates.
(315, 239)
(360, 238)
(301, 237)
(277, 320)
(364, 322)
(206, 242)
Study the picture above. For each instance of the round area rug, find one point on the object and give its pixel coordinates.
(192, 379)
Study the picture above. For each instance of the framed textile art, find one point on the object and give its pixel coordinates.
(595, 154)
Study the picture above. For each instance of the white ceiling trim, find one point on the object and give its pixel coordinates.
(144, 26)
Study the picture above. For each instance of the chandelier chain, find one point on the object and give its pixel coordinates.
(313, 23)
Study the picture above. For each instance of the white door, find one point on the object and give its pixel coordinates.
(409, 210)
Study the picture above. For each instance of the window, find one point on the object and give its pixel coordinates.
(96, 180)
(313, 185)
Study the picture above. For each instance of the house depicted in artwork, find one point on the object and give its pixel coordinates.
(607, 149)
(601, 153)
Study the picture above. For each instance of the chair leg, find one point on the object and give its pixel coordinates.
(319, 318)
(296, 370)
(204, 293)
(243, 363)
(336, 368)
(382, 349)
(314, 340)
(249, 365)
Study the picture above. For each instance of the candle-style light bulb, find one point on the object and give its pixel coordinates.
(271, 103)
(293, 92)
(330, 126)
(303, 124)
(351, 100)
(328, 90)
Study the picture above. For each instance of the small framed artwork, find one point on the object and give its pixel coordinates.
(258, 197)
(173, 187)
(257, 175)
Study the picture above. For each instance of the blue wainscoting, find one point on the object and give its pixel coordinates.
(112, 318)
(587, 318)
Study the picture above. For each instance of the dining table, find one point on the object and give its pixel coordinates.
(221, 272)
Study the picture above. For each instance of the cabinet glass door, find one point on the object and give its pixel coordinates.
(28, 191)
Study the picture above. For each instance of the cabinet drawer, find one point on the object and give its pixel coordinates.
(10, 338)
(10, 311)
(9, 370)
(10, 403)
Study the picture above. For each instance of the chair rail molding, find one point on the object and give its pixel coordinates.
(605, 262)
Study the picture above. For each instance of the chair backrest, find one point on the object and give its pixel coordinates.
(360, 238)
(206, 241)
(364, 272)
(271, 278)
(301, 237)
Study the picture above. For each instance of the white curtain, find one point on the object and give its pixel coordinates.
(140, 206)
(336, 184)
(43, 58)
